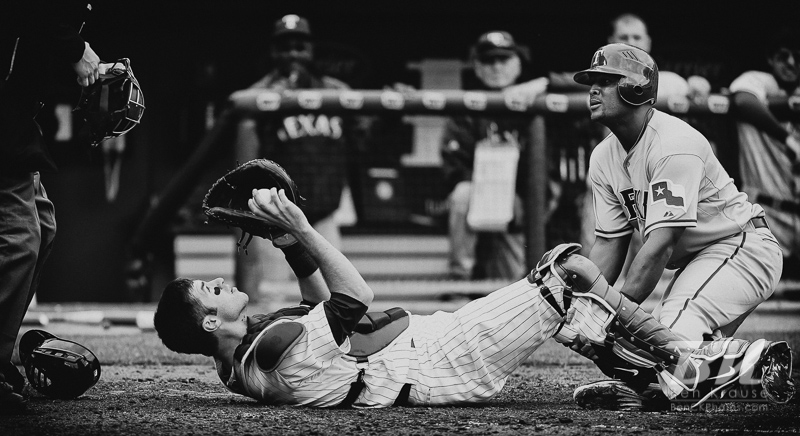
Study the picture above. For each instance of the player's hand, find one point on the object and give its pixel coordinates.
(105, 66)
(529, 90)
(88, 67)
(277, 209)
(582, 346)
(699, 89)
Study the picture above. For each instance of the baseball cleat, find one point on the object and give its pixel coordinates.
(616, 395)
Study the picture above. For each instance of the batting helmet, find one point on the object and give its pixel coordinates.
(113, 105)
(56, 367)
(639, 82)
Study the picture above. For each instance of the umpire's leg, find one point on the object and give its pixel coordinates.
(27, 228)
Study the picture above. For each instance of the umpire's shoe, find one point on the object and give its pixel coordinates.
(11, 386)
(616, 395)
(11, 402)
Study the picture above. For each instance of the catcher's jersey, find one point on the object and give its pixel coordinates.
(670, 178)
(765, 168)
(448, 358)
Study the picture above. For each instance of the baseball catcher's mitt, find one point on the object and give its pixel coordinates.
(226, 201)
(112, 105)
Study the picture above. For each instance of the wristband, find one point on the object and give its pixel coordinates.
(299, 260)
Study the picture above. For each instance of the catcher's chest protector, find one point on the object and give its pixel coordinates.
(372, 334)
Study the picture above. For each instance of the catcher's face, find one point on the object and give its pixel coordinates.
(227, 300)
(604, 101)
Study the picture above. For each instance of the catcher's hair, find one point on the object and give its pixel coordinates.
(179, 317)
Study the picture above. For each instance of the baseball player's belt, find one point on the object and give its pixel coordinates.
(758, 222)
(783, 205)
(373, 333)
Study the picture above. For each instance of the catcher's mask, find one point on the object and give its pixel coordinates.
(638, 83)
(56, 367)
(113, 105)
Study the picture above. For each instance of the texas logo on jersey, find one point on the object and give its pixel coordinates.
(672, 194)
(310, 125)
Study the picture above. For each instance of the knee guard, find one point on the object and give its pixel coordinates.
(549, 278)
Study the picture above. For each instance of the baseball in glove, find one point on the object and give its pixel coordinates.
(226, 201)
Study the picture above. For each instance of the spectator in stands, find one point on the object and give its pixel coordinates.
(631, 29)
(498, 63)
(769, 144)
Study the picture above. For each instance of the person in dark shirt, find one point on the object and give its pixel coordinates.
(40, 43)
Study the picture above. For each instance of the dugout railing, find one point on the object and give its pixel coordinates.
(452, 102)
(423, 102)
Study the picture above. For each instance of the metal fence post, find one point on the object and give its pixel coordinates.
(535, 218)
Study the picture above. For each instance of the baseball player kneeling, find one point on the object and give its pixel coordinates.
(330, 352)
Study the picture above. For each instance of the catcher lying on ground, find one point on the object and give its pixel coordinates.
(329, 351)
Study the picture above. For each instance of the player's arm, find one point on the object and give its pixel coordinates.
(649, 263)
(338, 273)
(751, 110)
(609, 255)
(313, 289)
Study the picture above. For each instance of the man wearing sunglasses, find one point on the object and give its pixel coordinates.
(769, 143)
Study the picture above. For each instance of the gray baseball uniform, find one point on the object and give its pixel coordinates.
(728, 261)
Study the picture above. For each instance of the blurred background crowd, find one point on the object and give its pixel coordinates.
(368, 175)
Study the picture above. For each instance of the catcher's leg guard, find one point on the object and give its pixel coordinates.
(639, 338)
(617, 368)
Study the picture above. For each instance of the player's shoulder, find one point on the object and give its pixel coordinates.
(673, 135)
(603, 152)
(760, 83)
(268, 348)
(668, 126)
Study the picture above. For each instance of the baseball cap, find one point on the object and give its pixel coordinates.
(291, 24)
(496, 43)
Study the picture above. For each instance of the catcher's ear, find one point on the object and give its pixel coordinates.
(211, 323)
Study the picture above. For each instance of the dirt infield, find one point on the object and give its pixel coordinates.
(145, 389)
(189, 400)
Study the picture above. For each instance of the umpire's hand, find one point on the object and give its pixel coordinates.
(88, 67)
